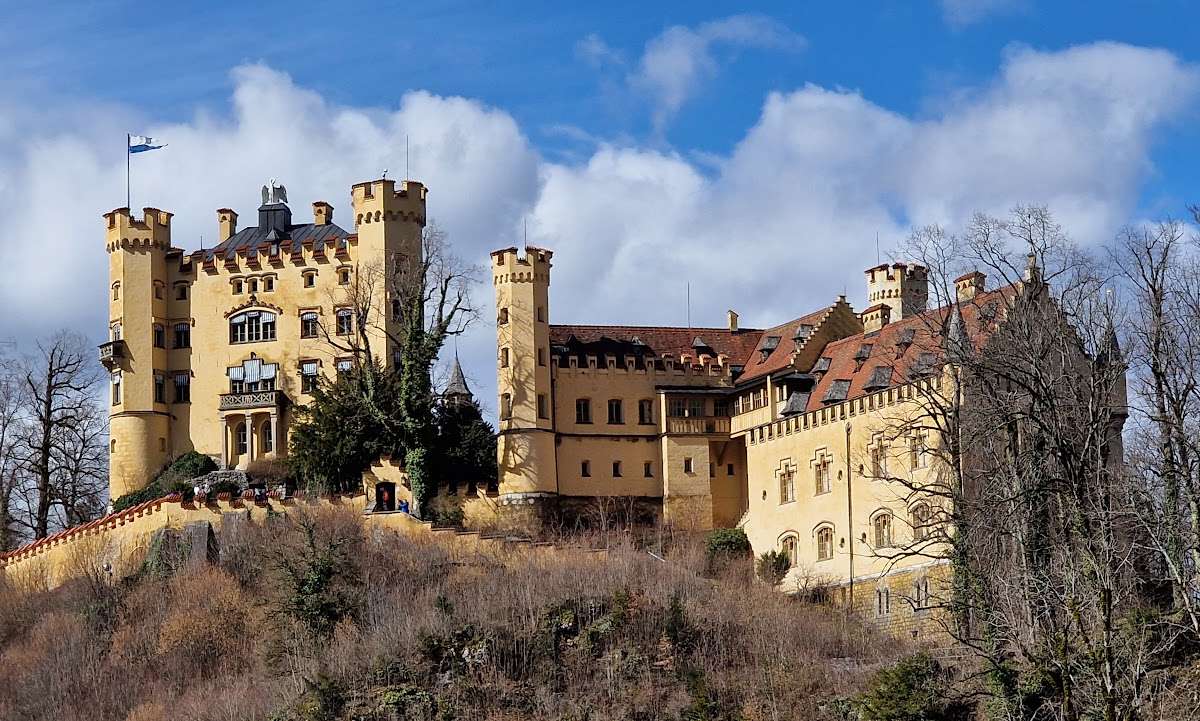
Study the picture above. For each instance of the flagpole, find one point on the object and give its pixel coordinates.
(128, 204)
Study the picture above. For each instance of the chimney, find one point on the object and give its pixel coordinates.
(876, 317)
(322, 213)
(733, 321)
(966, 287)
(226, 224)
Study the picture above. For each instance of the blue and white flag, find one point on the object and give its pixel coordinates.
(142, 143)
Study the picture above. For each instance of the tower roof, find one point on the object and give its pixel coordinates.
(458, 382)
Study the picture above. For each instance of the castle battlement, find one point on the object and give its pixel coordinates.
(377, 201)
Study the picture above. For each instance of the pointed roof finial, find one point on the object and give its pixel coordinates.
(457, 387)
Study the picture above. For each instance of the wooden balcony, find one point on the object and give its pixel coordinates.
(112, 353)
(698, 426)
(255, 400)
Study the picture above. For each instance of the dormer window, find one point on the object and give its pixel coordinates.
(770, 343)
(906, 336)
(822, 365)
(838, 391)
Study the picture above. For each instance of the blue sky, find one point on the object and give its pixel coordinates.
(645, 142)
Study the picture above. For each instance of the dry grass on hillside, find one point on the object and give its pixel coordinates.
(411, 629)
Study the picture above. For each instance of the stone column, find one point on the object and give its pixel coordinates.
(224, 443)
(274, 433)
(250, 438)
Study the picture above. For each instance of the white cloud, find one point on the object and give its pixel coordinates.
(676, 63)
(961, 13)
(778, 226)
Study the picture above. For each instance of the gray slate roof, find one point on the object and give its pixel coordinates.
(458, 382)
(254, 240)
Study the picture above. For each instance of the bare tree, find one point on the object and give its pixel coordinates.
(58, 387)
(1162, 274)
(10, 427)
(1017, 396)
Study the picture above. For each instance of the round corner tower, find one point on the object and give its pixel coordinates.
(525, 446)
(139, 419)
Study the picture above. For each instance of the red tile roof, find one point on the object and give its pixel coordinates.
(671, 341)
(888, 348)
(781, 357)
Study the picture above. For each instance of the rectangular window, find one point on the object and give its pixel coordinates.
(879, 460)
(787, 487)
(676, 407)
(646, 412)
(687, 465)
(541, 314)
(160, 388)
(583, 410)
(343, 365)
(160, 337)
(502, 317)
(309, 325)
(917, 450)
(729, 469)
(345, 322)
(183, 387)
(585, 469)
(616, 469)
(695, 407)
(648, 469)
(542, 406)
(541, 356)
(308, 376)
(822, 475)
(116, 388)
(503, 357)
(183, 335)
(616, 415)
(720, 407)
(505, 406)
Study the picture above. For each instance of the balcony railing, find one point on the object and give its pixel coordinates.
(699, 425)
(252, 400)
(112, 352)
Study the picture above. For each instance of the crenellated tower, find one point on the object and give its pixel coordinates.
(135, 354)
(389, 224)
(902, 287)
(525, 447)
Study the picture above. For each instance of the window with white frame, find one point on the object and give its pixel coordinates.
(116, 388)
(252, 326)
(183, 387)
(252, 376)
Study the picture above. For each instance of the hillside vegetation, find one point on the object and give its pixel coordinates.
(312, 618)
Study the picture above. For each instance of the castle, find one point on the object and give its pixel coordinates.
(211, 350)
(811, 435)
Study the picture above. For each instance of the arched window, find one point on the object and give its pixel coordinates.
(251, 326)
(920, 521)
(789, 547)
(503, 319)
(116, 288)
(309, 324)
(824, 543)
(268, 436)
(787, 486)
(883, 530)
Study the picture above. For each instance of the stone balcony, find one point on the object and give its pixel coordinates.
(254, 400)
(698, 426)
(112, 353)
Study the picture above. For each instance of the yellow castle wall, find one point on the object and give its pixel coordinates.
(857, 498)
(145, 434)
